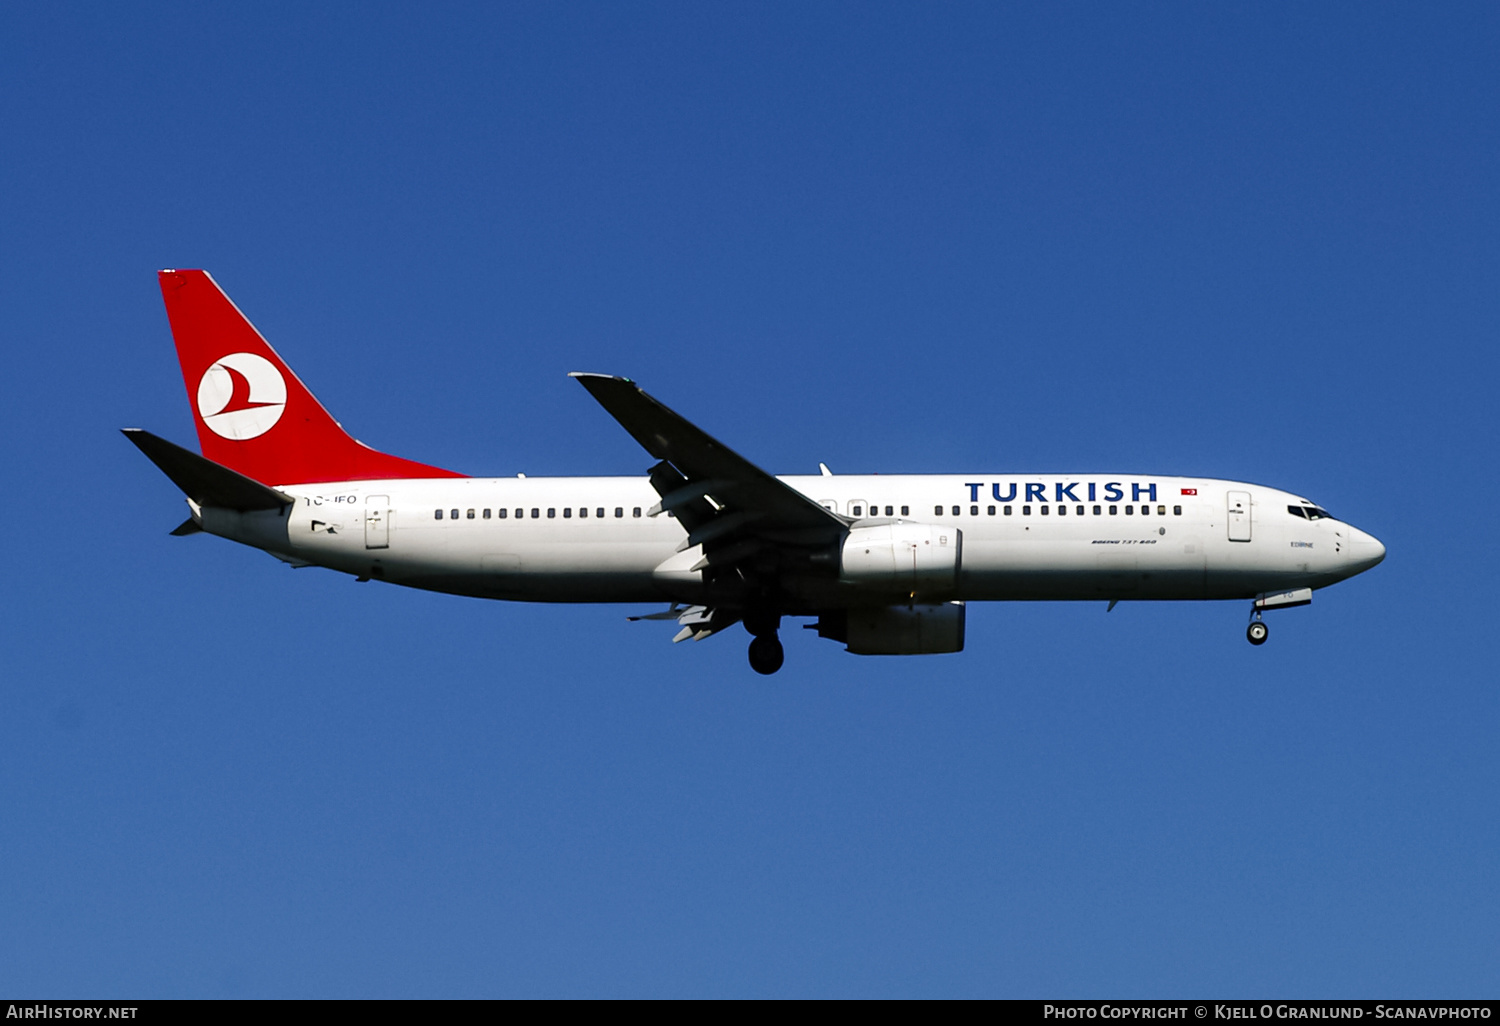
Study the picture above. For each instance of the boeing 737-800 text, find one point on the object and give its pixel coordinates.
(883, 563)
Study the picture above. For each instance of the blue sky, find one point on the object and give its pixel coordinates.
(1254, 242)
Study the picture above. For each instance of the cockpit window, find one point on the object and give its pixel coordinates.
(1310, 512)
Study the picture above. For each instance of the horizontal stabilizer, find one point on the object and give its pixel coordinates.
(187, 527)
(205, 482)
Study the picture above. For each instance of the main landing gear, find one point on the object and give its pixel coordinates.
(766, 653)
(1257, 632)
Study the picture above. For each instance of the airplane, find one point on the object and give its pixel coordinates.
(883, 564)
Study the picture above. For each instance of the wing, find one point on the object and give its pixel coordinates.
(751, 526)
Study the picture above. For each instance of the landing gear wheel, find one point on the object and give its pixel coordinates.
(1257, 632)
(766, 654)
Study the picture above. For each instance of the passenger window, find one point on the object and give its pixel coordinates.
(501, 513)
(856, 511)
(1113, 510)
(1007, 511)
(1145, 510)
(520, 513)
(1080, 511)
(619, 511)
(437, 514)
(551, 512)
(906, 511)
(583, 512)
(889, 511)
(973, 511)
(1097, 511)
(937, 511)
(568, 513)
(535, 513)
(1062, 510)
(486, 513)
(1129, 510)
(955, 511)
(1177, 511)
(1046, 510)
(453, 514)
(990, 510)
(599, 512)
(469, 515)
(1025, 511)
(636, 512)
(1161, 511)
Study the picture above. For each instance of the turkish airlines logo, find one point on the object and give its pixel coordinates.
(241, 396)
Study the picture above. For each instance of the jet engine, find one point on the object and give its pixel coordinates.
(903, 557)
(897, 630)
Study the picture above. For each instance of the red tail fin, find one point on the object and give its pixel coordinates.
(253, 415)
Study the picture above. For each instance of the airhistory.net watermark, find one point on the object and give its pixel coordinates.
(49, 1010)
(1380, 1010)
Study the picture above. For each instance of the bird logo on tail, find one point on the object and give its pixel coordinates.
(241, 396)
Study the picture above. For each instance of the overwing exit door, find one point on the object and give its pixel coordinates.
(377, 522)
(1239, 516)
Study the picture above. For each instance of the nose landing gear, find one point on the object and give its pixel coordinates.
(1287, 599)
(1257, 632)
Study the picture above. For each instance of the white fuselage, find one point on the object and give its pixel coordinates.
(589, 539)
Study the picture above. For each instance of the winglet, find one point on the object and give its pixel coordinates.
(591, 374)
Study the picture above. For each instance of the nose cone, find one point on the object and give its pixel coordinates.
(1365, 550)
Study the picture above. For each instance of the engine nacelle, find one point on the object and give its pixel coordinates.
(904, 557)
(898, 630)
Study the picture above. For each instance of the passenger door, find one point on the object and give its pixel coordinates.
(377, 521)
(1239, 516)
